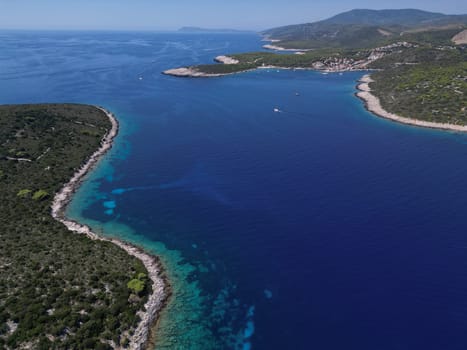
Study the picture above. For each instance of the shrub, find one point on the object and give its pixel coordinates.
(23, 193)
(40, 195)
(136, 285)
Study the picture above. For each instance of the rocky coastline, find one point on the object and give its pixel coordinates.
(331, 64)
(158, 297)
(373, 104)
(280, 48)
(189, 72)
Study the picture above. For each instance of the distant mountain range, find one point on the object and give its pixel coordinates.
(408, 18)
(210, 30)
(364, 28)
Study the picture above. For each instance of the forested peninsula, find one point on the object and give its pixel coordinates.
(61, 289)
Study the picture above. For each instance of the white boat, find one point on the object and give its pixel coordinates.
(277, 110)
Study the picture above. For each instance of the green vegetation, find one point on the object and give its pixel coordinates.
(298, 61)
(421, 55)
(40, 195)
(365, 29)
(23, 193)
(255, 60)
(225, 68)
(426, 84)
(432, 37)
(421, 73)
(352, 36)
(138, 284)
(58, 290)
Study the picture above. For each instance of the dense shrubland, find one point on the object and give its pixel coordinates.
(57, 289)
(425, 83)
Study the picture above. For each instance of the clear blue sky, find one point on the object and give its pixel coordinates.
(172, 14)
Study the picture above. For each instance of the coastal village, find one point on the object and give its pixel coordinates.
(334, 63)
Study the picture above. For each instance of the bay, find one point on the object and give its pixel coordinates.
(320, 227)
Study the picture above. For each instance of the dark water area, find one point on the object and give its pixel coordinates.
(319, 227)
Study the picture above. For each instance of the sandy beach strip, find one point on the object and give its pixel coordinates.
(157, 299)
(373, 104)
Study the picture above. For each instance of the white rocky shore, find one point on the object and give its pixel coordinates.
(273, 46)
(186, 72)
(226, 60)
(156, 300)
(373, 104)
(189, 72)
(280, 48)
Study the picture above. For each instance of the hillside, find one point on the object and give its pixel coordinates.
(363, 28)
(420, 58)
(409, 18)
(424, 83)
(58, 290)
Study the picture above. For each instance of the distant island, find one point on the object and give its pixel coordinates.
(211, 30)
(419, 60)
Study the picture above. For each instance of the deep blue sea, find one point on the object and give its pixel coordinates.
(321, 227)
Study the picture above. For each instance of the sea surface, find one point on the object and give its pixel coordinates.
(319, 227)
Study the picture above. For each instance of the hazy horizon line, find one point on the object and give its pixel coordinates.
(162, 30)
(207, 27)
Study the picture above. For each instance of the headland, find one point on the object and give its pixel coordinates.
(157, 298)
(373, 104)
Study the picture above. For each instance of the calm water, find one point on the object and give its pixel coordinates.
(321, 227)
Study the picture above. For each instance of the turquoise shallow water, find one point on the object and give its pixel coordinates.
(186, 302)
(320, 227)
